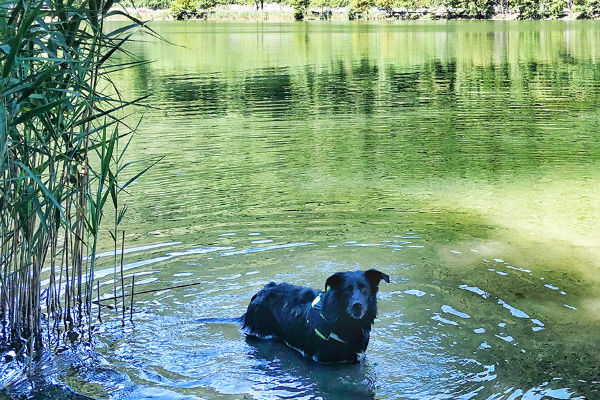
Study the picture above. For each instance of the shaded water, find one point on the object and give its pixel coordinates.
(460, 158)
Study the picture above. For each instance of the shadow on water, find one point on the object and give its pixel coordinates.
(291, 375)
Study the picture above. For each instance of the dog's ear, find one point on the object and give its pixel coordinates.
(334, 281)
(374, 277)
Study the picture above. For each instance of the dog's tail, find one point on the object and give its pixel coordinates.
(237, 321)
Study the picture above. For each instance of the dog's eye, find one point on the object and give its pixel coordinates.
(362, 288)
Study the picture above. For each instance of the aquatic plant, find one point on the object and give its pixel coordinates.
(63, 135)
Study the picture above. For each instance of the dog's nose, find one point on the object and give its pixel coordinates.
(356, 308)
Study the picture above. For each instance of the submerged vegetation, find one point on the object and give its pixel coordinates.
(62, 140)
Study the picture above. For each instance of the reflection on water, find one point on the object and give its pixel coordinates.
(458, 158)
(291, 373)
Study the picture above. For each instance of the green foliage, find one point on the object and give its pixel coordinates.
(554, 8)
(593, 8)
(334, 3)
(480, 8)
(300, 7)
(387, 4)
(60, 157)
(527, 9)
(319, 3)
(205, 4)
(152, 4)
(586, 8)
(360, 8)
(181, 8)
(454, 3)
(185, 9)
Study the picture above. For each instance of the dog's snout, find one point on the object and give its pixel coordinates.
(357, 308)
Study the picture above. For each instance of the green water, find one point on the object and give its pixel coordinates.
(461, 158)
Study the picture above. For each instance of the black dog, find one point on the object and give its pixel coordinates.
(329, 326)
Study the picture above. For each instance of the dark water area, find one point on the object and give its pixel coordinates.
(460, 158)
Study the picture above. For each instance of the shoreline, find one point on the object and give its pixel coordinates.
(274, 12)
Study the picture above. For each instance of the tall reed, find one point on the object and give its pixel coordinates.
(62, 140)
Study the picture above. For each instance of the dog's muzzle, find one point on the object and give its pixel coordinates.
(356, 311)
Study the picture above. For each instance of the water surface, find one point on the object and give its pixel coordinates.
(460, 158)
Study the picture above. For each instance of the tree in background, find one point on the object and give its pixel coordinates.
(183, 9)
(300, 7)
(385, 4)
(188, 9)
(360, 8)
(554, 8)
(152, 4)
(527, 9)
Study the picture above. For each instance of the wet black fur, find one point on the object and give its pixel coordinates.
(281, 311)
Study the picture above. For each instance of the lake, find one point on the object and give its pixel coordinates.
(460, 158)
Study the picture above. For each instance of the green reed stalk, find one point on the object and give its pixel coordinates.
(60, 126)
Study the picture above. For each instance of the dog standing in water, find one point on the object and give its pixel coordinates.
(330, 326)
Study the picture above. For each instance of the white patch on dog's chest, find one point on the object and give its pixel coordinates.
(333, 336)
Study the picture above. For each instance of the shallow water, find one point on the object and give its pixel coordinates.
(460, 158)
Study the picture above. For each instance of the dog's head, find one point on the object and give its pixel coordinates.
(354, 293)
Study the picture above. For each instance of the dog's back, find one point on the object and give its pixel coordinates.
(274, 310)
